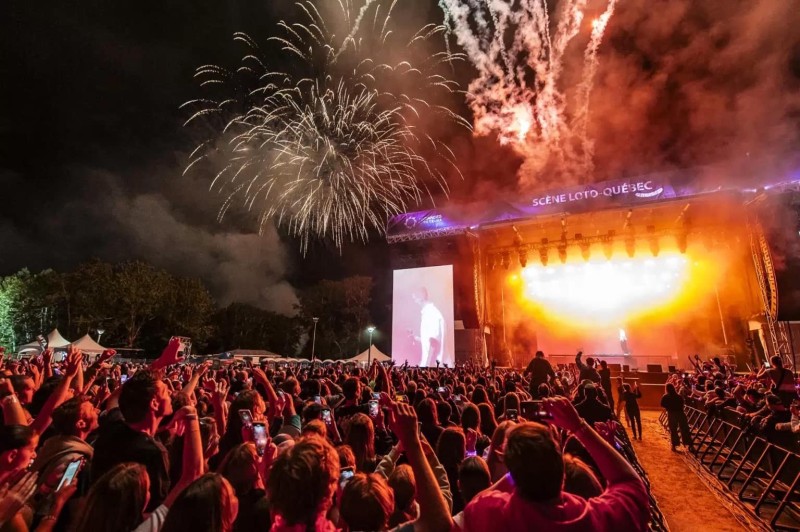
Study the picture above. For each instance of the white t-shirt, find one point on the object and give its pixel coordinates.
(431, 325)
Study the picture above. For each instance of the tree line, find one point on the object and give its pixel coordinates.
(140, 306)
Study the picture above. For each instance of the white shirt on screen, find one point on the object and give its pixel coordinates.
(431, 327)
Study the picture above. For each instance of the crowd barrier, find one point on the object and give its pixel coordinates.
(763, 475)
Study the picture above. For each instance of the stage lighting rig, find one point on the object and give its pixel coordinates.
(505, 260)
(608, 244)
(523, 257)
(653, 240)
(585, 245)
(543, 252)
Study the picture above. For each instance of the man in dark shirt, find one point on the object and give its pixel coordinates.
(539, 369)
(591, 409)
(126, 433)
(587, 370)
(605, 382)
(351, 388)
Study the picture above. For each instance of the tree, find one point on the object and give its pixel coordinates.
(240, 325)
(141, 294)
(343, 311)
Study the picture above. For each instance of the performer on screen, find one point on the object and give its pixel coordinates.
(431, 329)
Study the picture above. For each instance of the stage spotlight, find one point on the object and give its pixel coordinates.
(630, 246)
(682, 241)
(523, 257)
(653, 240)
(608, 244)
(586, 249)
(506, 260)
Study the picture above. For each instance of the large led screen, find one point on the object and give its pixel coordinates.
(422, 316)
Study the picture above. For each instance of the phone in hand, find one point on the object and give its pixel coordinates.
(400, 398)
(260, 437)
(441, 389)
(318, 399)
(376, 396)
(246, 416)
(70, 472)
(373, 408)
(326, 416)
(345, 475)
(534, 411)
(123, 378)
(512, 414)
(457, 398)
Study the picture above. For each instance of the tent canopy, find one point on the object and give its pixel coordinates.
(88, 345)
(376, 355)
(55, 340)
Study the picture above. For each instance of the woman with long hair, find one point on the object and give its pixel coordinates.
(246, 400)
(488, 421)
(494, 454)
(241, 469)
(451, 450)
(209, 503)
(116, 502)
(359, 434)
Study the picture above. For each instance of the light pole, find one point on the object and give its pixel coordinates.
(314, 339)
(370, 330)
(100, 332)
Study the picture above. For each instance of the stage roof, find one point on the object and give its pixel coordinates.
(622, 193)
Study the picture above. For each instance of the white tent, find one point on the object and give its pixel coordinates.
(55, 340)
(376, 355)
(88, 345)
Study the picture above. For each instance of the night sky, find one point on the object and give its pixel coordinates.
(92, 145)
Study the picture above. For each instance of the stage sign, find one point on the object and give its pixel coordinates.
(458, 219)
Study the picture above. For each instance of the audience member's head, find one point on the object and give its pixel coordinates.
(367, 502)
(144, 398)
(473, 477)
(209, 503)
(116, 500)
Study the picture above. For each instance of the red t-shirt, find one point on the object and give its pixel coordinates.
(625, 506)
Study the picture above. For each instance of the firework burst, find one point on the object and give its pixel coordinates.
(517, 93)
(335, 150)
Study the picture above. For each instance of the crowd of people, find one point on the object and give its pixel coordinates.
(766, 400)
(174, 446)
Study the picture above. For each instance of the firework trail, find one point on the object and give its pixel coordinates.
(335, 150)
(516, 94)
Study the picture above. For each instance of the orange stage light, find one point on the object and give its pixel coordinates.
(600, 292)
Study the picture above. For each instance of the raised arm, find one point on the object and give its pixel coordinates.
(433, 512)
(60, 394)
(614, 468)
(578, 361)
(13, 414)
(192, 452)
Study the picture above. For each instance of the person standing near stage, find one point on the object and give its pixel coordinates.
(431, 329)
(538, 369)
(587, 370)
(631, 396)
(673, 403)
(605, 382)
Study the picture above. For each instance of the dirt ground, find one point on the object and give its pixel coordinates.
(686, 502)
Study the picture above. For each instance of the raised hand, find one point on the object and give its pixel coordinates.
(12, 498)
(472, 440)
(74, 359)
(47, 357)
(169, 355)
(403, 422)
(564, 414)
(107, 355)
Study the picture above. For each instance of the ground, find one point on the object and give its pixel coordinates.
(687, 503)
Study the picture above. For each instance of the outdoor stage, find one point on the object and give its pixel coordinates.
(639, 272)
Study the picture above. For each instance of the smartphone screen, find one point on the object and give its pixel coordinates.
(441, 389)
(326, 416)
(345, 476)
(123, 378)
(400, 398)
(246, 416)
(376, 396)
(511, 414)
(70, 472)
(373, 408)
(260, 437)
(318, 399)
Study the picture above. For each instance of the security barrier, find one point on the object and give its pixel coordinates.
(764, 475)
